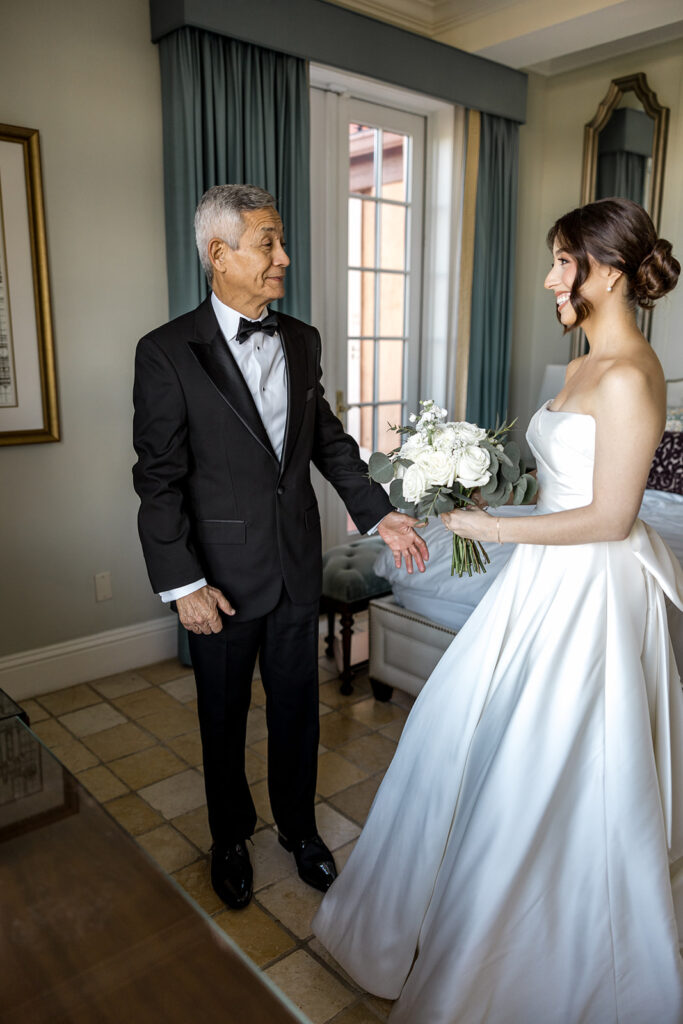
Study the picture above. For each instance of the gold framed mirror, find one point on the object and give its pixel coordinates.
(624, 151)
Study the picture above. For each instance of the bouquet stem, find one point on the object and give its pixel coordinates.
(468, 556)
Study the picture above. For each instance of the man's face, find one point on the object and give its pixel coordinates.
(250, 277)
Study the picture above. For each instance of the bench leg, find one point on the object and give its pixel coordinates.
(346, 674)
(329, 639)
(382, 691)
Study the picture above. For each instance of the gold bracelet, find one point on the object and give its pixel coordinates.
(498, 530)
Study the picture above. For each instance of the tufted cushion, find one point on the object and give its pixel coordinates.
(347, 571)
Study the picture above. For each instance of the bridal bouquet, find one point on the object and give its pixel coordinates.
(440, 464)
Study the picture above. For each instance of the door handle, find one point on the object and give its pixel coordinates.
(341, 407)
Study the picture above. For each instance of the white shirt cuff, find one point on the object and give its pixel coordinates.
(373, 529)
(173, 595)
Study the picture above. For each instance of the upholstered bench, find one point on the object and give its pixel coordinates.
(348, 585)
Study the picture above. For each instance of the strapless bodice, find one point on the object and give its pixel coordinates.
(563, 444)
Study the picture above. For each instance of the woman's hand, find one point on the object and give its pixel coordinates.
(471, 523)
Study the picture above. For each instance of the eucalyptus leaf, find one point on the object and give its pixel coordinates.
(444, 503)
(532, 489)
(520, 490)
(381, 468)
(396, 496)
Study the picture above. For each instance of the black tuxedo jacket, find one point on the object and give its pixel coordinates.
(214, 499)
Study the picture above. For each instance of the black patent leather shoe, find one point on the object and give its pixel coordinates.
(231, 873)
(314, 861)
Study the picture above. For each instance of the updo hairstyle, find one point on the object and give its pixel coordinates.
(620, 234)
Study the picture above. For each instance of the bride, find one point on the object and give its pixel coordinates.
(516, 866)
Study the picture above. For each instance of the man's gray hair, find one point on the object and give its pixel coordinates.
(219, 215)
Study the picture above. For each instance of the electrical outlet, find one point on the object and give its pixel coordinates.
(103, 586)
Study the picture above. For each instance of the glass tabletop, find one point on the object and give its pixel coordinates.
(10, 709)
(92, 929)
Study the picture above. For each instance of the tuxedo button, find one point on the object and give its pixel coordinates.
(280, 490)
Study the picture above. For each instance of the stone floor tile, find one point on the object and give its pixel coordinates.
(102, 783)
(147, 767)
(120, 684)
(260, 748)
(183, 689)
(255, 766)
(256, 725)
(337, 729)
(403, 699)
(336, 773)
(355, 802)
(258, 697)
(163, 671)
(118, 741)
(195, 825)
(93, 719)
(70, 699)
(176, 795)
(168, 848)
(145, 702)
(169, 722)
(196, 881)
(310, 986)
(361, 1013)
(393, 730)
(293, 903)
(35, 711)
(330, 695)
(335, 829)
(257, 935)
(188, 746)
(271, 861)
(315, 946)
(51, 732)
(343, 853)
(133, 814)
(374, 713)
(372, 752)
(382, 1007)
(259, 794)
(325, 673)
(74, 756)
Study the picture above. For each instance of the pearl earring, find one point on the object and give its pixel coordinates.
(609, 287)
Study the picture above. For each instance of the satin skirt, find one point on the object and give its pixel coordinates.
(517, 864)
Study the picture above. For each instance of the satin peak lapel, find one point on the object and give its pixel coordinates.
(215, 358)
(294, 347)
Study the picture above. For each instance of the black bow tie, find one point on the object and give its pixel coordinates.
(248, 327)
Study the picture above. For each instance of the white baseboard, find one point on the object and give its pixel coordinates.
(50, 668)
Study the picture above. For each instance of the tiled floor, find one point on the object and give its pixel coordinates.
(133, 741)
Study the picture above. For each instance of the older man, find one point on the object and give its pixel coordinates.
(229, 415)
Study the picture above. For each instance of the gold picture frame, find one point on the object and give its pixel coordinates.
(28, 384)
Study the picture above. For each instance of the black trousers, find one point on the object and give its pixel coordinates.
(286, 640)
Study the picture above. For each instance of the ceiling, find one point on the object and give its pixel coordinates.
(535, 35)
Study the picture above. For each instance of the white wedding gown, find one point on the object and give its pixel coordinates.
(515, 867)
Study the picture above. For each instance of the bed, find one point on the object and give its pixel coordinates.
(410, 630)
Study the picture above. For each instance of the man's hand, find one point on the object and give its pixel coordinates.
(396, 530)
(198, 611)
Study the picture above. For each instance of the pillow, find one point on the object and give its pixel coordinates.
(666, 471)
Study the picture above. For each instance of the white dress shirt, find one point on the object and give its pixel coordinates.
(262, 363)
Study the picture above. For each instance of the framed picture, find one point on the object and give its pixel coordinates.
(28, 388)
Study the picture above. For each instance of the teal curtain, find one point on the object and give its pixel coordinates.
(233, 113)
(493, 273)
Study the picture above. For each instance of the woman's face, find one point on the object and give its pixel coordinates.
(560, 281)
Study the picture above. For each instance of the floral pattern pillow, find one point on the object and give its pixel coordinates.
(666, 472)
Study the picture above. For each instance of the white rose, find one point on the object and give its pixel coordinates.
(414, 482)
(439, 467)
(413, 445)
(444, 439)
(468, 433)
(473, 467)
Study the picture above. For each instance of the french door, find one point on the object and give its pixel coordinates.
(371, 269)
